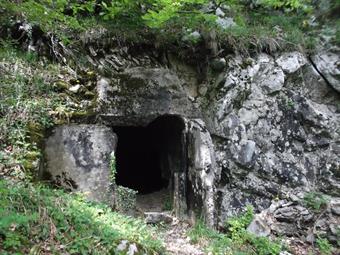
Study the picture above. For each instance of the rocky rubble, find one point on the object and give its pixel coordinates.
(293, 219)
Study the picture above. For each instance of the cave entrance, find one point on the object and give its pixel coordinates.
(152, 159)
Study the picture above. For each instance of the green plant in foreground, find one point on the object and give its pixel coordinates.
(315, 200)
(125, 199)
(35, 219)
(201, 231)
(324, 246)
(237, 225)
(65, 18)
(237, 240)
(288, 4)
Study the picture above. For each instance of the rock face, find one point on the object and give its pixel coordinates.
(78, 158)
(328, 64)
(140, 94)
(202, 171)
(274, 124)
(256, 129)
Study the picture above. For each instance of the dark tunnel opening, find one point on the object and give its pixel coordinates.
(147, 157)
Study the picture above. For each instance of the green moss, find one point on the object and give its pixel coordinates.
(113, 168)
(33, 155)
(36, 132)
(28, 165)
(61, 85)
(82, 114)
(125, 200)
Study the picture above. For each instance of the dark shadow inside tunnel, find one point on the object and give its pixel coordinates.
(147, 157)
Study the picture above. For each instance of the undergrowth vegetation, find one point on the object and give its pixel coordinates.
(242, 25)
(316, 201)
(236, 240)
(29, 105)
(324, 246)
(35, 219)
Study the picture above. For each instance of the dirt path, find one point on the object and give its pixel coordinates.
(174, 234)
(153, 202)
(177, 242)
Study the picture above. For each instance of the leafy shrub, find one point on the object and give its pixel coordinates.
(237, 225)
(166, 18)
(287, 4)
(264, 246)
(53, 14)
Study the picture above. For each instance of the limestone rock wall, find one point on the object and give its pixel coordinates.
(259, 129)
(77, 157)
(202, 171)
(275, 121)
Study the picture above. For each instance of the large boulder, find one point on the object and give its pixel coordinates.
(78, 159)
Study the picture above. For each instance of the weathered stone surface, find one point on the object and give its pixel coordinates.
(103, 87)
(127, 248)
(292, 214)
(157, 217)
(270, 79)
(291, 62)
(143, 94)
(291, 218)
(328, 64)
(75, 88)
(78, 158)
(265, 127)
(201, 170)
(259, 227)
(335, 207)
(268, 144)
(247, 152)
